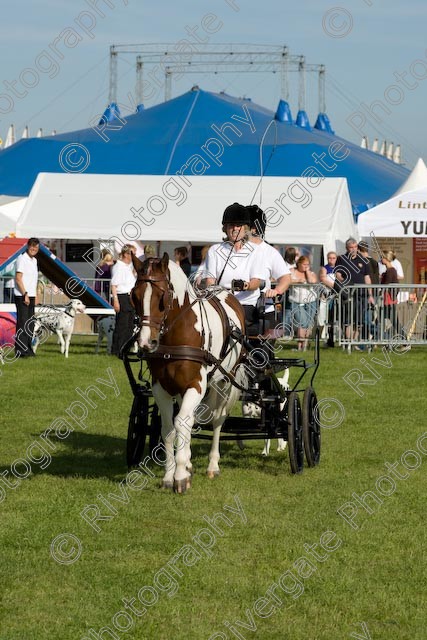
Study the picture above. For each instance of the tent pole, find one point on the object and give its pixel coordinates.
(139, 80)
(112, 97)
(168, 84)
(284, 65)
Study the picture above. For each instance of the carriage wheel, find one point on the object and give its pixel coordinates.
(295, 443)
(137, 431)
(310, 427)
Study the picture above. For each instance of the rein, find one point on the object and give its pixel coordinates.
(183, 352)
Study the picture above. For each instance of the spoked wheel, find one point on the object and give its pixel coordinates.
(137, 431)
(295, 443)
(310, 427)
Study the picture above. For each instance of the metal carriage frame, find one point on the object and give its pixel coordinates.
(281, 413)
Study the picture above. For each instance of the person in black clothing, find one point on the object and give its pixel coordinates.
(352, 269)
(181, 258)
(374, 270)
(26, 297)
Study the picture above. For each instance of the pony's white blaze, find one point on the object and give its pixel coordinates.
(144, 338)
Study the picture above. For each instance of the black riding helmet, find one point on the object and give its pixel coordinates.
(236, 214)
(258, 219)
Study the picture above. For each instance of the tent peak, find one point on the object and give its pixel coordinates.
(416, 179)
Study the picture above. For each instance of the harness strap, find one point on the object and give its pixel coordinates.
(194, 354)
(226, 327)
(181, 352)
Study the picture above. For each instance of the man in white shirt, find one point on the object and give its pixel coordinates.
(274, 265)
(26, 298)
(122, 283)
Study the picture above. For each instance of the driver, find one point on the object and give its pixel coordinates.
(236, 259)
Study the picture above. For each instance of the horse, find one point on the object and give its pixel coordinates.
(185, 335)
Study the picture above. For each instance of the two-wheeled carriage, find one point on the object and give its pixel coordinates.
(280, 412)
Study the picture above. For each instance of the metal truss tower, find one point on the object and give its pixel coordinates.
(167, 60)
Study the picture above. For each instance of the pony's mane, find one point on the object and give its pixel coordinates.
(180, 281)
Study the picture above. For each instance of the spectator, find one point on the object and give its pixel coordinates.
(372, 263)
(122, 283)
(200, 272)
(303, 301)
(181, 258)
(389, 276)
(394, 263)
(290, 257)
(149, 252)
(138, 247)
(352, 269)
(26, 298)
(103, 273)
(327, 304)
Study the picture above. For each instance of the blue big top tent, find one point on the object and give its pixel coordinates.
(205, 133)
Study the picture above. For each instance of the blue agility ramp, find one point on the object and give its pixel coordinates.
(61, 276)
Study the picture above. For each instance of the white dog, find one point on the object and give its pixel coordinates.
(106, 328)
(59, 320)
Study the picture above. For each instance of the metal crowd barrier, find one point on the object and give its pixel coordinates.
(398, 313)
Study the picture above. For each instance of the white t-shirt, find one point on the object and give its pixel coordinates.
(240, 265)
(394, 263)
(274, 264)
(28, 267)
(275, 267)
(123, 277)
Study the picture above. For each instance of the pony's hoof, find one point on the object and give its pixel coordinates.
(166, 485)
(264, 453)
(212, 474)
(181, 486)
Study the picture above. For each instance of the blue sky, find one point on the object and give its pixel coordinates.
(373, 51)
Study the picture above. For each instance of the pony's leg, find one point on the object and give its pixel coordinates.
(165, 404)
(189, 465)
(184, 422)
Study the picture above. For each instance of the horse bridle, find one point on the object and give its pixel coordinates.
(148, 321)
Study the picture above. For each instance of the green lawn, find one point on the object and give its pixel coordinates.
(368, 579)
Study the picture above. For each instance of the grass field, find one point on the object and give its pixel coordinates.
(260, 574)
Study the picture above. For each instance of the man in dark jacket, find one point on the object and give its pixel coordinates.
(352, 269)
(181, 258)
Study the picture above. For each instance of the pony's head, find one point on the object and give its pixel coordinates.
(152, 298)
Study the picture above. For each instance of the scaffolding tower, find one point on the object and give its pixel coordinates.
(166, 60)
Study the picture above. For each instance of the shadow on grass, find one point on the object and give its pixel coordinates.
(90, 455)
(102, 456)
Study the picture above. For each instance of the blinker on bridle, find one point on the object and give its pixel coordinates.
(148, 321)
